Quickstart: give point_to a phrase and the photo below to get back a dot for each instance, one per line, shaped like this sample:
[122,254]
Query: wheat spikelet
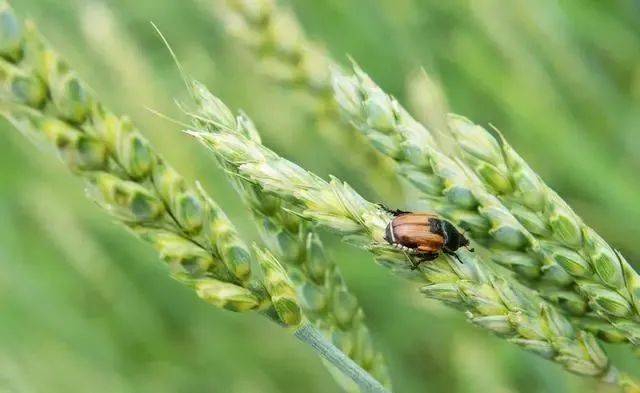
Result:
[581,273]
[598,272]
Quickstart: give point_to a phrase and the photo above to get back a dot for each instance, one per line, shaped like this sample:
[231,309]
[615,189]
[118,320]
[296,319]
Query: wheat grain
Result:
[492,301]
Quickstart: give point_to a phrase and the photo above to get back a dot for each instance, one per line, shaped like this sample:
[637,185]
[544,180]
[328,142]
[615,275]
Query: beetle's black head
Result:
[455,239]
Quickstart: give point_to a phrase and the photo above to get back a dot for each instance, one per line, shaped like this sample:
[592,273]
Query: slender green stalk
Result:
[287,56]
[42,97]
[490,300]
[324,295]
[314,338]
[527,228]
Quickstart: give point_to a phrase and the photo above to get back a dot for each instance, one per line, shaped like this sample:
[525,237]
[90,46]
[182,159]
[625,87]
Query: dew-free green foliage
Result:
[489,300]
[322,290]
[85,307]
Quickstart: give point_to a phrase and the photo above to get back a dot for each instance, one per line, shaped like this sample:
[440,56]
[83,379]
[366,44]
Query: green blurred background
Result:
[86,307]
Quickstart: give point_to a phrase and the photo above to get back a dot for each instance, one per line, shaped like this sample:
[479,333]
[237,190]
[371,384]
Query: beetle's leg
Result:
[453,254]
[424,257]
[393,212]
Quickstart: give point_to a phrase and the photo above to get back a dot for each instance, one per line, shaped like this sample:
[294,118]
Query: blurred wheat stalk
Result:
[42,97]
[288,57]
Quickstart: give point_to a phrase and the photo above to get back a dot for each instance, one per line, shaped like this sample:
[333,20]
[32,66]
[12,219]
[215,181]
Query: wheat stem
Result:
[314,338]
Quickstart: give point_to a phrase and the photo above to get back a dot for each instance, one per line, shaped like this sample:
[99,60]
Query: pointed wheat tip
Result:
[345,91]
[354,64]
[497,134]
[454,121]
[200,187]
[195,134]
[362,77]
[174,57]
[166,117]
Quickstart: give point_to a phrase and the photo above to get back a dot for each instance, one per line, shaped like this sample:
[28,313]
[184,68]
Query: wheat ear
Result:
[323,292]
[42,97]
[598,272]
[591,282]
[490,300]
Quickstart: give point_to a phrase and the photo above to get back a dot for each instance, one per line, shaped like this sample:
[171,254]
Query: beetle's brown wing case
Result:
[428,249]
[415,232]
[427,242]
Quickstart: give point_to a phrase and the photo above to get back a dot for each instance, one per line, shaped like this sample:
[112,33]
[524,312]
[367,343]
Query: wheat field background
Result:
[84,306]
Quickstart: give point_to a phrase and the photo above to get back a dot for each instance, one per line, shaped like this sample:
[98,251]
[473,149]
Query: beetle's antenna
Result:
[467,245]
[457,257]
[393,212]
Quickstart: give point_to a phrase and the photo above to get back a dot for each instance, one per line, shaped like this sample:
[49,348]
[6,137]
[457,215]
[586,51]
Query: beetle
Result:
[424,235]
